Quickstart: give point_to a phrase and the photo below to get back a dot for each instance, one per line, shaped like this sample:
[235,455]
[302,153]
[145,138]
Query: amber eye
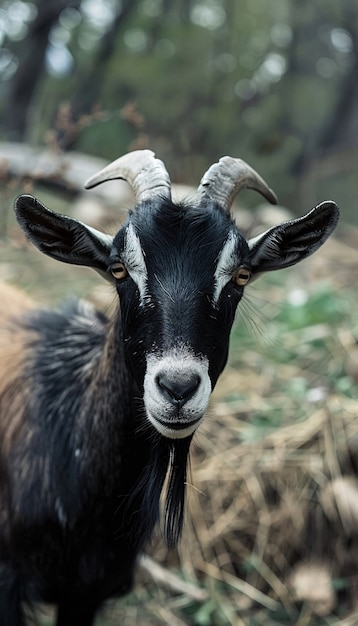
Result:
[241,276]
[118,271]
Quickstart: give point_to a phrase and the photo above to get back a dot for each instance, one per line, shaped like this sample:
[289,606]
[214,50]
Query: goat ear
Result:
[60,237]
[288,243]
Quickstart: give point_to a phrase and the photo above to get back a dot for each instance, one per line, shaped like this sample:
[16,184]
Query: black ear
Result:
[61,237]
[288,243]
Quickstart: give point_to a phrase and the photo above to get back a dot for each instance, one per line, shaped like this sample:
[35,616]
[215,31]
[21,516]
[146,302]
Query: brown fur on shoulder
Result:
[13,354]
[13,302]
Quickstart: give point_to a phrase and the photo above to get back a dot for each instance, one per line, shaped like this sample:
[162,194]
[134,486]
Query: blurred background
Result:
[272,530]
[276,82]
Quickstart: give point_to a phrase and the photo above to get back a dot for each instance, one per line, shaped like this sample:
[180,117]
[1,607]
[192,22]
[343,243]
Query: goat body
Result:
[96,413]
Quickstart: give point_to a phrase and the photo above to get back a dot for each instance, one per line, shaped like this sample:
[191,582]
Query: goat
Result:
[98,414]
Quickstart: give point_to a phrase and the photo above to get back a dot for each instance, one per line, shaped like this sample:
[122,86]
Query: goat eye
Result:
[241,276]
[118,271]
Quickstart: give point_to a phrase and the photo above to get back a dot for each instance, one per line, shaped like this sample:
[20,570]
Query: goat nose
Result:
[177,391]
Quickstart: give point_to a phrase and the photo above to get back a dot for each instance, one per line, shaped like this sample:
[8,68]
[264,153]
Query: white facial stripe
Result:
[133,258]
[177,363]
[226,264]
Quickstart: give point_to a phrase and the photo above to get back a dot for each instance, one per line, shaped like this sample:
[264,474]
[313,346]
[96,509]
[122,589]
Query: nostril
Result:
[177,390]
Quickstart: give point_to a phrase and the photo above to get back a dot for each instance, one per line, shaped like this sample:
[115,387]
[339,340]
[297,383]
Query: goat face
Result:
[178,302]
[180,273]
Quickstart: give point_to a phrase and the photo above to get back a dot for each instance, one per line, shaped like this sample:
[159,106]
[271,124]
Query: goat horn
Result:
[143,172]
[225,179]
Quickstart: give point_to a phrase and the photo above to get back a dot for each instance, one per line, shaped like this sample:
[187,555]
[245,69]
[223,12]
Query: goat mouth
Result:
[175,429]
[178,425]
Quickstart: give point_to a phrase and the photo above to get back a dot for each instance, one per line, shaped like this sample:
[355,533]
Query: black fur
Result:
[170,235]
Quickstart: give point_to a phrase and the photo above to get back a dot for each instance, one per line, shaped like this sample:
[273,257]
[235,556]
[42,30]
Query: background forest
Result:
[274,82]
[272,530]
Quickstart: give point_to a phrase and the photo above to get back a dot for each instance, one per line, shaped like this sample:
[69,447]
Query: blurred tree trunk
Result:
[87,93]
[337,129]
[31,53]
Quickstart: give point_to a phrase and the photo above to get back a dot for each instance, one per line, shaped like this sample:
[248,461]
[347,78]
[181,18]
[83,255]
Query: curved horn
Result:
[225,179]
[143,172]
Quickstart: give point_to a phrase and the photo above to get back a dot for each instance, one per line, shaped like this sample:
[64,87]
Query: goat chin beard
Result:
[159,494]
